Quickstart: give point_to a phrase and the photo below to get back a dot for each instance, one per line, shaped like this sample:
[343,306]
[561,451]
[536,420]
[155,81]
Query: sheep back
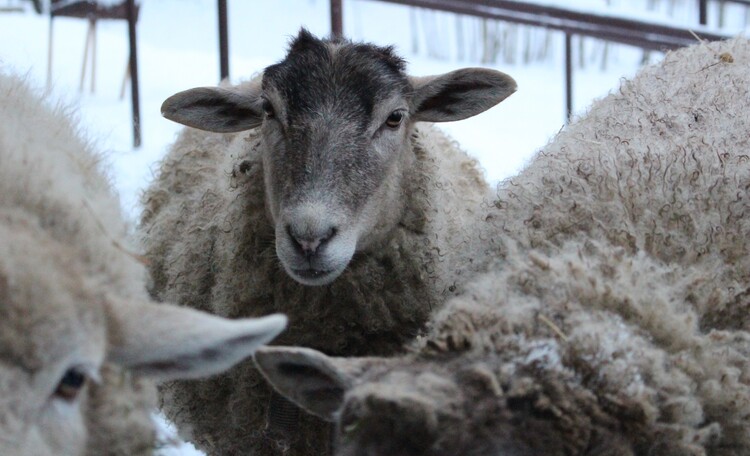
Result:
[593,349]
[660,166]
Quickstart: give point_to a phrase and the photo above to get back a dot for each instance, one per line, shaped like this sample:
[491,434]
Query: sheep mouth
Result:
[322,268]
[312,274]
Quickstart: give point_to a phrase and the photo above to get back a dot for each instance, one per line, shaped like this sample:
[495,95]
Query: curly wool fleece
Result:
[617,323]
[53,187]
[660,169]
[211,244]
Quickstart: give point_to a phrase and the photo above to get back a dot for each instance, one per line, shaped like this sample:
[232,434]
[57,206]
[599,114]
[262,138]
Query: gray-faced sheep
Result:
[78,335]
[329,206]
[617,323]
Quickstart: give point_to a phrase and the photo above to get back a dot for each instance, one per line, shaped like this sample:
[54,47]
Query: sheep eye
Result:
[350,427]
[268,109]
[349,422]
[395,119]
[70,385]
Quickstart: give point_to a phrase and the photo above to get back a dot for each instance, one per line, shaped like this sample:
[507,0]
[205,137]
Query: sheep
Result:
[80,340]
[617,321]
[323,202]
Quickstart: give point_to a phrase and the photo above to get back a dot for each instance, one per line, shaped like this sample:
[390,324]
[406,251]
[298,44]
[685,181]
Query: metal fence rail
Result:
[703,8]
[642,34]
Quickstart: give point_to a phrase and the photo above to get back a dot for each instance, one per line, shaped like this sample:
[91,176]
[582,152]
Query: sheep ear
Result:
[217,109]
[312,380]
[459,94]
[168,342]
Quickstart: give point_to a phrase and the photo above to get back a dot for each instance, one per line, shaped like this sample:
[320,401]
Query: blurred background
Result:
[86,65]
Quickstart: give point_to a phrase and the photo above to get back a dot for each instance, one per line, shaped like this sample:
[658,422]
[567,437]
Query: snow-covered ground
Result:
[178,49]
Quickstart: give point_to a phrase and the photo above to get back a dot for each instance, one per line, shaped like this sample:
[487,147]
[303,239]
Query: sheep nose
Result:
[309,243]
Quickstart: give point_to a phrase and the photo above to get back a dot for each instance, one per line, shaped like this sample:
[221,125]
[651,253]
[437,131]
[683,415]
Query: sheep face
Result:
[380,406]
[335,121]
[57,331]
[335,138]
[438,407]
[46,362]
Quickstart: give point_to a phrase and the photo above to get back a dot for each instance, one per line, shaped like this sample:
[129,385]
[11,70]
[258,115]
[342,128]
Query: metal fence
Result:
[620,30]
[642,34]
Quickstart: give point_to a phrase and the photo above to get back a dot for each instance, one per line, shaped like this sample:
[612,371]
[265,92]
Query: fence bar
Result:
[337,23]
[132,16]
[703,11]
[223,41]
[646,35]
[568,76]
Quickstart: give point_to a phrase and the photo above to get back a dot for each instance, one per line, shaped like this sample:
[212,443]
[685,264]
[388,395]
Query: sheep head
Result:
[57,331]
[413,406]
[335,120]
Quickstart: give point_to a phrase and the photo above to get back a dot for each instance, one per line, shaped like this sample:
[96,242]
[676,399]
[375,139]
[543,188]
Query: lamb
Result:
[325,203]
[80,340]
[617,321]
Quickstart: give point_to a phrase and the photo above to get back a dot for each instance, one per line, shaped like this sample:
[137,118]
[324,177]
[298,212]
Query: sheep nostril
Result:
[310,244]
[329,234]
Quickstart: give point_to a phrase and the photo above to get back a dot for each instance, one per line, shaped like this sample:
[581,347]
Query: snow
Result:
[178,49]
[544,354]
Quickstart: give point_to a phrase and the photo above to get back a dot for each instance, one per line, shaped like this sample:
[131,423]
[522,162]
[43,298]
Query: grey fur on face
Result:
[331,150]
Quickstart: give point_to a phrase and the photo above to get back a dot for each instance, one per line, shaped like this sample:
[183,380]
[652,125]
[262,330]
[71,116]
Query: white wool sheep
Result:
[78,335]
[617,323]
[336,211]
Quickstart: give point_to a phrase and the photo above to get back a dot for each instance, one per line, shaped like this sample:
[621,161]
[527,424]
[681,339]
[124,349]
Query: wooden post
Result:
[49,54]
[568,77]
[92,23]
[86,48]
[223,41]
[703,12]
[134,74]
[337,24]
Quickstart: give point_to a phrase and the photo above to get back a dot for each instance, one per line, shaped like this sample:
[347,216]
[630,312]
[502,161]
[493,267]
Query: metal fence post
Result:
[134,75]
[568,77]
[223,41]
[703,11]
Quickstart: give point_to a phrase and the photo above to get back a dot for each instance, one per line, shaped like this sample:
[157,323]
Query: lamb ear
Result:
[459,94]
[168,342]
[217,109]
[312,380]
